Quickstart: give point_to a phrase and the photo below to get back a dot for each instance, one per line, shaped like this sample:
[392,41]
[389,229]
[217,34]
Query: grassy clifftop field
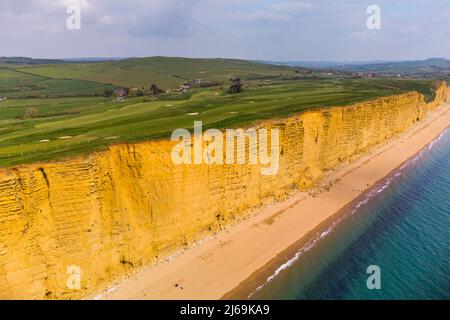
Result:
[56,111]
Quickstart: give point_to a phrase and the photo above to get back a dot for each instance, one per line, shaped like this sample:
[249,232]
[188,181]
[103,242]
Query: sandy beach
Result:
[220,264]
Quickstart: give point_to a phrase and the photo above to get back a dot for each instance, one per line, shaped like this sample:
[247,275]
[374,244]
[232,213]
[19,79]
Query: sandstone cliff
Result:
[114,211]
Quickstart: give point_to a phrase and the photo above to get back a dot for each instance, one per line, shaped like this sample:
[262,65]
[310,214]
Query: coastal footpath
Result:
[113,212]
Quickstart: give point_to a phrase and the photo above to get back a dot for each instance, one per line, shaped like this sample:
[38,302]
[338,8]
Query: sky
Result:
[277,30]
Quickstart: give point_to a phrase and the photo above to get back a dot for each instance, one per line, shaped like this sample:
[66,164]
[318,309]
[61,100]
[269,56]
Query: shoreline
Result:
[237,259]
[283,260]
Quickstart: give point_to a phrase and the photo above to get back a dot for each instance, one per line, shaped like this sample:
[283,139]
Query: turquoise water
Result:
[402,226]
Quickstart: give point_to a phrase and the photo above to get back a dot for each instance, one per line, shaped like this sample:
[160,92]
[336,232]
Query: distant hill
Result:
[32,61]
[434,66]
[166,72]
[430,68]
[319,64]
[28,61]
[92,59]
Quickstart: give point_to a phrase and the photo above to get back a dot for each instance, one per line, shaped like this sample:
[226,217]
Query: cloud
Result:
[163,18]
[136,17]
[259,15]
[363,35]
[264,29]
[57,4]
[292,6]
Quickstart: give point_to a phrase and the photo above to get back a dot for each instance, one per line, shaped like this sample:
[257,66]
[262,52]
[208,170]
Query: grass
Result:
[65,127]
[16,84]
[165,72]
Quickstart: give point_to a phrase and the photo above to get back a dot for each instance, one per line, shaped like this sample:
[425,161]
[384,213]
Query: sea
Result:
[392,243]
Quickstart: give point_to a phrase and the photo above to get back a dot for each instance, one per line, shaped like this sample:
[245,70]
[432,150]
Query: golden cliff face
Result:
[114,211]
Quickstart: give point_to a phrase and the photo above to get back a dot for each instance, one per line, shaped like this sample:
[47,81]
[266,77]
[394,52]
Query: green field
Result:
[165,72]
[63,126]
[17,84]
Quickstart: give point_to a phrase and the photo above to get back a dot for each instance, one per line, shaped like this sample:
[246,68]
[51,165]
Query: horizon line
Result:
[227,58]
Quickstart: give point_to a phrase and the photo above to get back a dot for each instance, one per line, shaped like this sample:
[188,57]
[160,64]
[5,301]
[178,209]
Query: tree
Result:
[155,90]
[108,93]
[236,86]
[30,113]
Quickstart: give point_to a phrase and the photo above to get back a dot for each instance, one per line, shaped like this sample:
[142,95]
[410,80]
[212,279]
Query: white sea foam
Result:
[308,246]
[371,194]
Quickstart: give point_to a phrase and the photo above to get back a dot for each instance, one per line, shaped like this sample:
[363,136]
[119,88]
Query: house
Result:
[121,94]
[184,87]
[189,85]
[196,82]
